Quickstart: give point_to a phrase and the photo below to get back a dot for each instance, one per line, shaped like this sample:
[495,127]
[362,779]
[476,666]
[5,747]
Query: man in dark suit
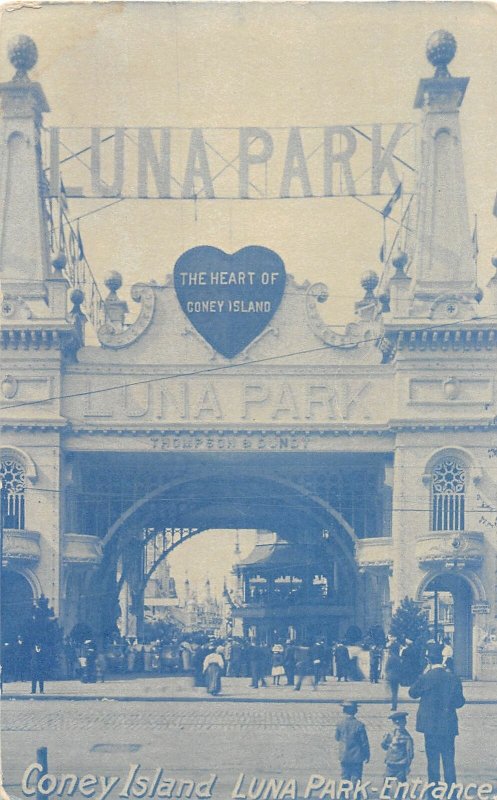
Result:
[38,669]
[440,694]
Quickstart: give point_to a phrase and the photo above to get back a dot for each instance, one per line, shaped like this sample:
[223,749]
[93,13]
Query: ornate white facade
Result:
[381,440]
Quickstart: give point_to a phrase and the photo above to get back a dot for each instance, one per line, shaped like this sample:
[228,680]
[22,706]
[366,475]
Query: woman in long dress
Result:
[277,666]
[213,669]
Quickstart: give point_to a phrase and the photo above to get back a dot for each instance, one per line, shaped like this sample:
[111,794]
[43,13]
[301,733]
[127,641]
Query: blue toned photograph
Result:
[248,401]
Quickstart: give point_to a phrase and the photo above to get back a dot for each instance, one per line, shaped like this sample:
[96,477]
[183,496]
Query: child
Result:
[399,747]
[354,745]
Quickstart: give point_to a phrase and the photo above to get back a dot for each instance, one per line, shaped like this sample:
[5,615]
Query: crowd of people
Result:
[292,664]
[208,658]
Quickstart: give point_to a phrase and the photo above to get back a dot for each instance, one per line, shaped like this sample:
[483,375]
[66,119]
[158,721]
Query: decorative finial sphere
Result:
[440,49]
[23,55]
[369,281]
[77,297]
[60,261]
[113,281]
[400,260]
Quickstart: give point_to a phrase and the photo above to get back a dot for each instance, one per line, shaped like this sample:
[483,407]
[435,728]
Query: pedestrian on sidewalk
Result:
[91,659]
[256,658]
[342,662]
[100,666]
[289,662]
[317,658]
[303,665]
[38,669]
[440,694]
[393,672]
[277,668]
[448,654]
[353,742]
[375,659]
[213,669]
[399,748]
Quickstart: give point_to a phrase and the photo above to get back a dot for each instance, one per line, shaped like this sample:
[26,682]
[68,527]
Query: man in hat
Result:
[433,650]
[38,665]
[399,747]
[353,740]
[440,694]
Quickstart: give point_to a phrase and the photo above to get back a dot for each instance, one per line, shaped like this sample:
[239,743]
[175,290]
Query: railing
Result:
[66,247]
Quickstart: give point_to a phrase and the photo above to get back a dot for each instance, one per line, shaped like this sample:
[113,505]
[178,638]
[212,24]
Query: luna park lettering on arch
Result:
[270,163]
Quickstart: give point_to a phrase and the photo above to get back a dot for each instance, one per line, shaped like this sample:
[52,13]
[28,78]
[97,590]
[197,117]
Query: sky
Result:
[266,64]
[210,554]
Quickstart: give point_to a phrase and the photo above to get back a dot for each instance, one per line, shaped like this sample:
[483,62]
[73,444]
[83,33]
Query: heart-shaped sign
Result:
[229,299]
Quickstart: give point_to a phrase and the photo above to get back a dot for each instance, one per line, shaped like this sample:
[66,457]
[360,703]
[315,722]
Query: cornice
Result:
[232,431]
[34,425]
[66,428]
[45,337]
[416,337]
[345,430]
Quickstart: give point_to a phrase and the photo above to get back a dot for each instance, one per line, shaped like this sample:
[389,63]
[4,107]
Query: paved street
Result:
[164,687]
[194,739]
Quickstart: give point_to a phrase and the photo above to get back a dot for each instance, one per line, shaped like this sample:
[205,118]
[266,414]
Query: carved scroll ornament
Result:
[109,336]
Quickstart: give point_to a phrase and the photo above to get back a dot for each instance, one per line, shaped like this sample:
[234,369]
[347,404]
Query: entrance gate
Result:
[228,400]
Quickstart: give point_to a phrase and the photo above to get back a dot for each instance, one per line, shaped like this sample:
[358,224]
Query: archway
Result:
[16,604]
[16,613]
[448,599]
[184,508]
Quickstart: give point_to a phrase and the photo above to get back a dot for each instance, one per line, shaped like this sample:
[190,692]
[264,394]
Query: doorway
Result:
[447,600]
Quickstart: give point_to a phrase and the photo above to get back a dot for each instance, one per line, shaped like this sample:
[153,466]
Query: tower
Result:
[38,337]
[439,281]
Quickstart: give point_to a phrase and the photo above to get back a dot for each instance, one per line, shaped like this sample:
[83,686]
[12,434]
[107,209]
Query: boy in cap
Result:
[399,747]
[353,740]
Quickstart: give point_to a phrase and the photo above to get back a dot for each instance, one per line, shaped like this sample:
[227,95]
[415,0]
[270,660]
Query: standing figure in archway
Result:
[448,654]
[213,669]
[440,694]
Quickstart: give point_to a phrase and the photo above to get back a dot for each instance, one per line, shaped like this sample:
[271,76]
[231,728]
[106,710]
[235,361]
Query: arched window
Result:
[448,489]
[13,484]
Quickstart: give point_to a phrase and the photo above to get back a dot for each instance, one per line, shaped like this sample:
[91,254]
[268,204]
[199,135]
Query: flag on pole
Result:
[63,196]
[389,206]
[81,251]
[474,239]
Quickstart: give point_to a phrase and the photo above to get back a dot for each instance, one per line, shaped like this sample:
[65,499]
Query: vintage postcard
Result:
[248,400]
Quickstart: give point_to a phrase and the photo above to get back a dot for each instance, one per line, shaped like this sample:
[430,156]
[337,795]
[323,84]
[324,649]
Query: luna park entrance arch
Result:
[314,508]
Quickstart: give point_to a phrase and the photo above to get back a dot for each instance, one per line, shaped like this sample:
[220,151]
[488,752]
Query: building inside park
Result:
[366,457]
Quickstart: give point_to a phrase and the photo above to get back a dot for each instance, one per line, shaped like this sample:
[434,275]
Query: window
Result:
[448,486]
[12,475]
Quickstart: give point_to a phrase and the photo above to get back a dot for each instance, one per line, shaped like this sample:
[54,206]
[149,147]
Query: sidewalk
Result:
[172,688]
